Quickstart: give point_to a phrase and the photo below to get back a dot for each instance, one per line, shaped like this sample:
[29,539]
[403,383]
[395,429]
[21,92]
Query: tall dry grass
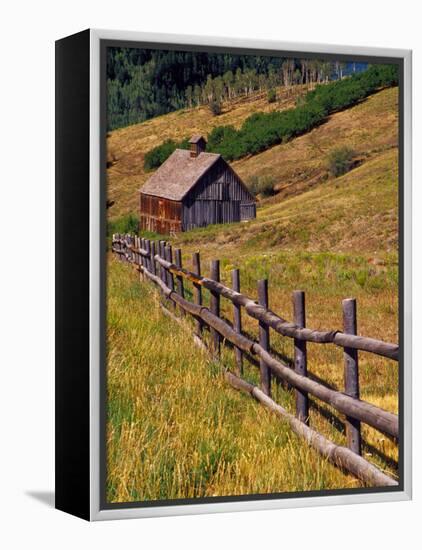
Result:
[175,429]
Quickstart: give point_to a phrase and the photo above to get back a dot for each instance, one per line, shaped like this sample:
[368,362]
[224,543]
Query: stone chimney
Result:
[197,145]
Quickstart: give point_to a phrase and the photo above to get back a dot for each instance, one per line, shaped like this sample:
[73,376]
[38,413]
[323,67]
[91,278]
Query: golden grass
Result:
[356,212]
[369,127]
[327,278]
[354,218]
[175,428]
[126,147]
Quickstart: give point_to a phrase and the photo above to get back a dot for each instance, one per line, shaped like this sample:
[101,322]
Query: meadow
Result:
[175,429]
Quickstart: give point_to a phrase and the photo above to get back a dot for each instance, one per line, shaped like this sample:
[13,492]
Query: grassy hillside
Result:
[370,127]
[332,237]
[336,240]
[355,212]
[126,147]
[175,429]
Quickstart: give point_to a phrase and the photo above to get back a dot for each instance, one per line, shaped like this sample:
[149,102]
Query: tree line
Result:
[263,130]
[231,84]
[143,83]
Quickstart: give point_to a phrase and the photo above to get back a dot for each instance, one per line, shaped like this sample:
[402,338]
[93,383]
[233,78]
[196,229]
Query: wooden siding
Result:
[221,183]
[247,210]
[218,197]
[201,213]
[160,215]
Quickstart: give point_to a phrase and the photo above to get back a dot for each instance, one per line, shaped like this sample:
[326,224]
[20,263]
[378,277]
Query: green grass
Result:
[355,212]
[175,428]
[127,224]
[330,251]
[369,128]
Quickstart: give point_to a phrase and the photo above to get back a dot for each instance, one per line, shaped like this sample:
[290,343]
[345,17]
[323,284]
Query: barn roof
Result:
[178,174]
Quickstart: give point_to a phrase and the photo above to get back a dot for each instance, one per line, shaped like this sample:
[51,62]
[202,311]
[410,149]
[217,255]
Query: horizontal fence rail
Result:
[154,261]
[283,327]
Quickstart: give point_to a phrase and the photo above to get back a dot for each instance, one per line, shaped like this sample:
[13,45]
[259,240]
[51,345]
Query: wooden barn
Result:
[193,188]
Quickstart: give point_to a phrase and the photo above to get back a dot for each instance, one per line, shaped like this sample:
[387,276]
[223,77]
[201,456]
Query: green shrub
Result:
[261,185]
[266,186]
[340,161]
[220,135]
[253,184]
[156,156]
[271,95]
[263,130]
[215,107]
[125,224]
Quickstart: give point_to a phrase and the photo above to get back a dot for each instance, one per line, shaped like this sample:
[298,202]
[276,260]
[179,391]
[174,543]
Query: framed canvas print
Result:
[233,274]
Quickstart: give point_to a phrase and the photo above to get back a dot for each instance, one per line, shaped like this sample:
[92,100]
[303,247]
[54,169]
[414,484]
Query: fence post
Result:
[138,257]
[179,278]
[169,276]
[134,256]
[162,254]
[197,291]
[129,240]
[141,261]
[215,306]
[148,251]
[118,246]
[351,374]
[143,247]
[129,251]
[264,338]
[142,258]
[301,367]
[152,254]
[121,248]
[169,257]
[237,320]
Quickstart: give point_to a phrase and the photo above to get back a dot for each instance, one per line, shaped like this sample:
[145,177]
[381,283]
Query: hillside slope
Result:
[331,237]
[175,429]
[334,241]
[355,212]
[126,147]
[370,127]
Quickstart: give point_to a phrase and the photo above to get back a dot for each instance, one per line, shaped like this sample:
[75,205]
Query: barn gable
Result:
[219,196]
[221,182]
[194,189]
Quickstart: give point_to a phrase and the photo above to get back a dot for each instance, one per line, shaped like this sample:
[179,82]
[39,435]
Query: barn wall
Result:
[218,197]
[160,215]
[220,182]
[204,212]
[247,210]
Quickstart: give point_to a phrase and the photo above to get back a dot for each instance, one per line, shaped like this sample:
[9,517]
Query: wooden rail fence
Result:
[154,260]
